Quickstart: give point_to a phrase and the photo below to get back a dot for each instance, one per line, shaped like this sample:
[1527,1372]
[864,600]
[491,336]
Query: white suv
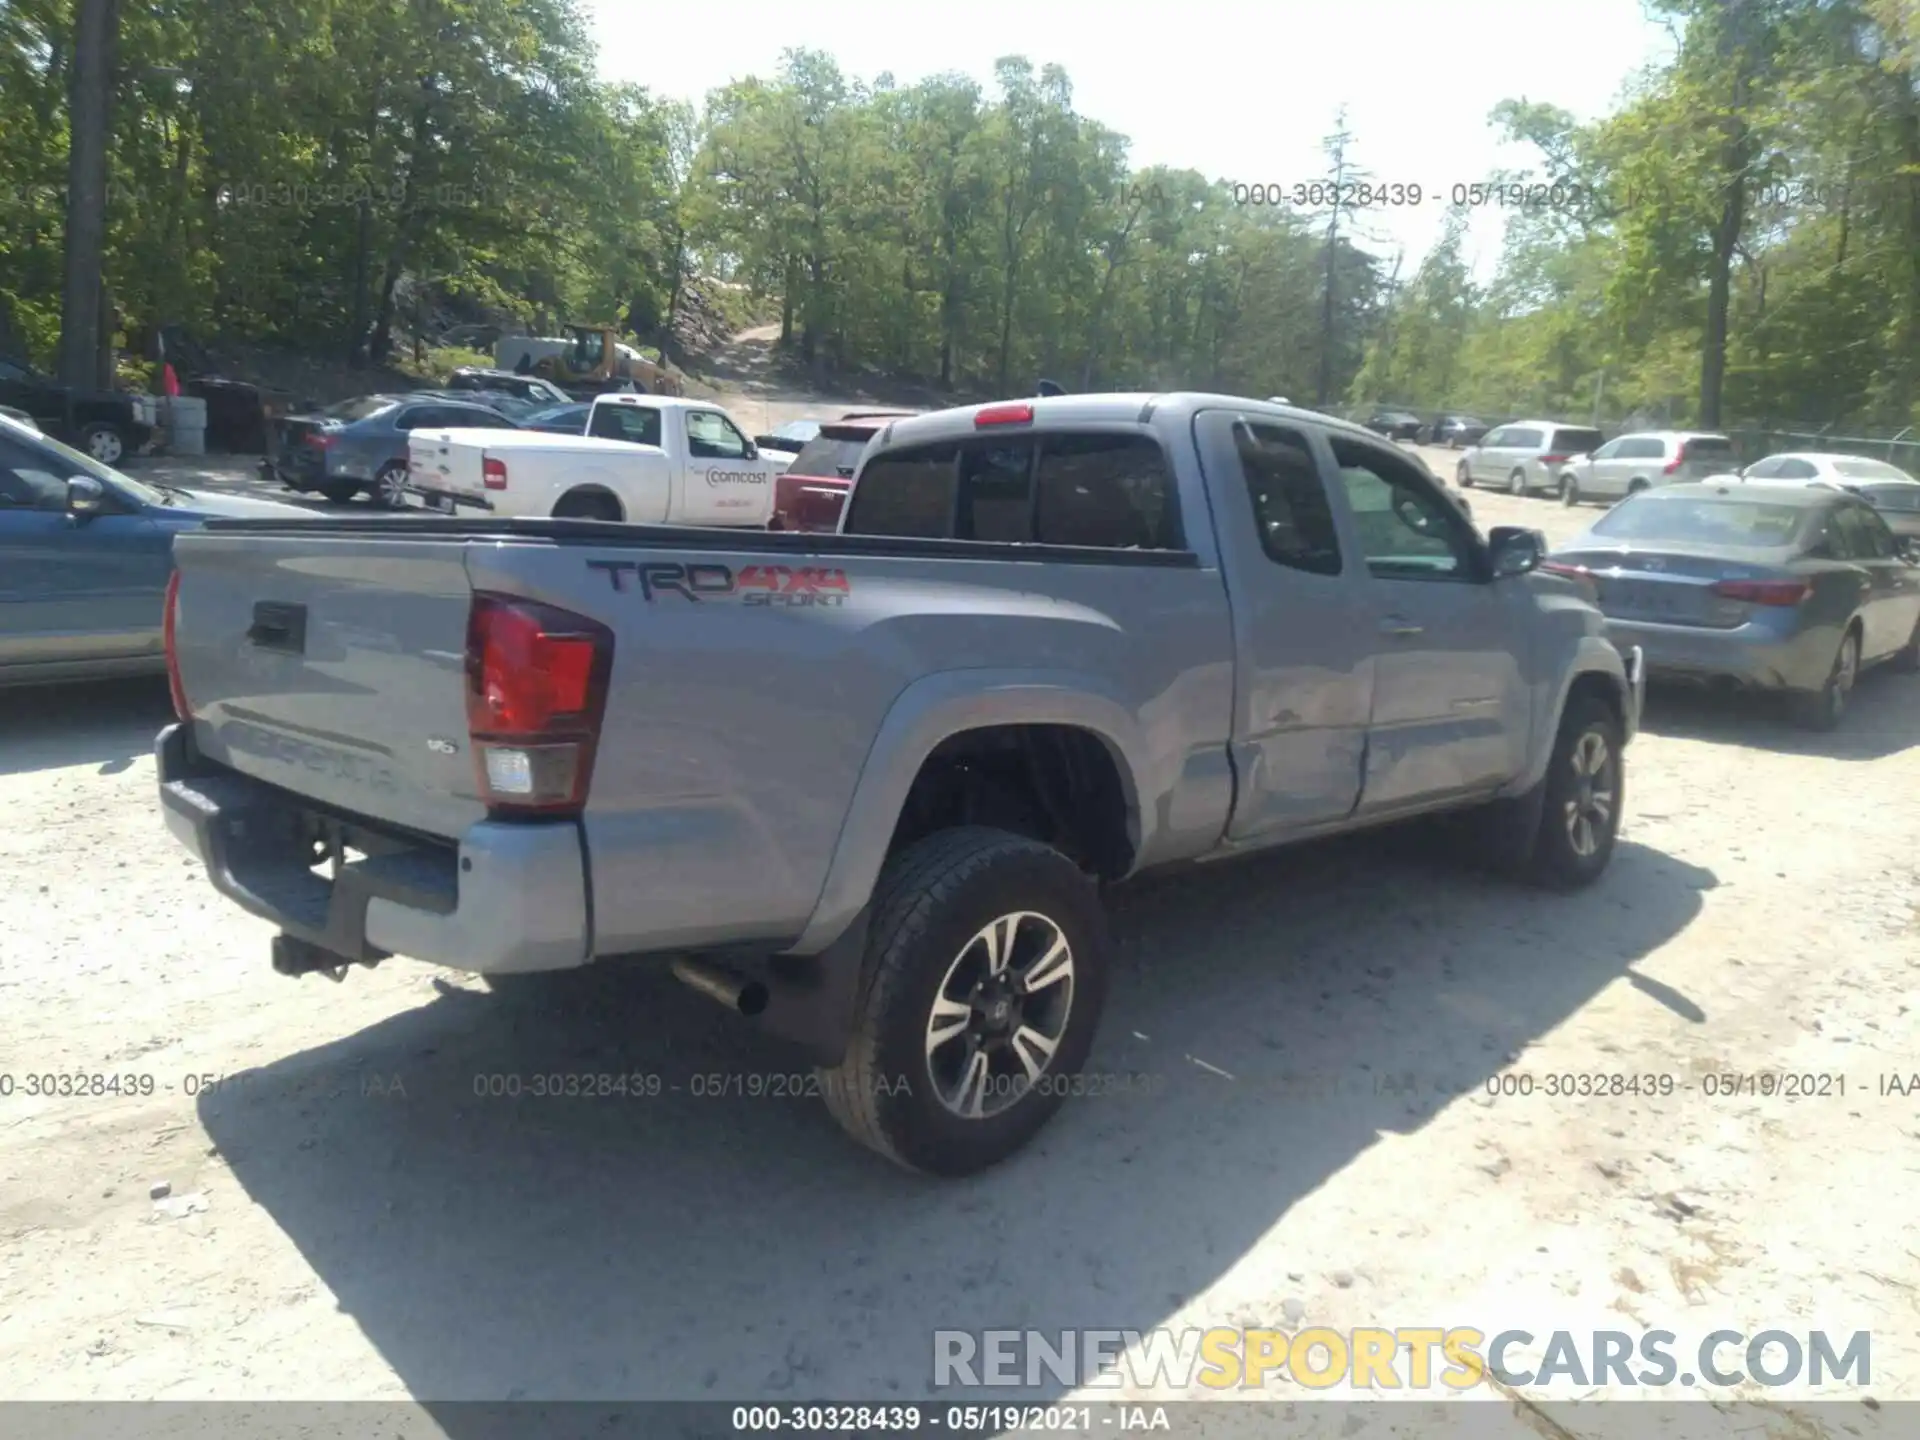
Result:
[1642,460]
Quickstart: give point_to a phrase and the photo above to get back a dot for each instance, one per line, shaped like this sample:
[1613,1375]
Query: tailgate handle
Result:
[277,626]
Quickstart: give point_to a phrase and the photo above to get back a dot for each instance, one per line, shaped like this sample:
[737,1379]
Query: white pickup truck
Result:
[645,459]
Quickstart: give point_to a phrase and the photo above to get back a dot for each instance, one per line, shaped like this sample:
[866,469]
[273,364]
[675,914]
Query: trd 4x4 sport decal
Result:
[750,585]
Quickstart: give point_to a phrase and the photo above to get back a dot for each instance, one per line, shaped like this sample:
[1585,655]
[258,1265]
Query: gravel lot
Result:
[348,1219]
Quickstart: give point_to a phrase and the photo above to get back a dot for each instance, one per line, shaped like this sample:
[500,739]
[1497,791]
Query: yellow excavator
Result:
[589,358]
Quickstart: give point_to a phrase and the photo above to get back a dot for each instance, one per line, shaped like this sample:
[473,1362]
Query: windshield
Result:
[1704,521]
[828,457]
[1868,470]
[1900,495]
[359,408]
[87,465]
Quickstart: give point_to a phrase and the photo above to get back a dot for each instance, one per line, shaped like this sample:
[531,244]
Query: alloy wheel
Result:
[1000,1014]
[1589,812]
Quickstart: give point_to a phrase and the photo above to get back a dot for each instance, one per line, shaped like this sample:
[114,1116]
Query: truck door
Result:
[1451,706]
[1303,640]
[724,486]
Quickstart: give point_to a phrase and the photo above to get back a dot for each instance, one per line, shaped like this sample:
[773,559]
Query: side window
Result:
[996,491]
[1886,545]
[635,424]
[1111,491]
[415,417]
[1857,525]
[1407,530]
[26,482]
[711,436]
[1765,470]
[1607,451]
[1522,440]
[1493,440]
[907,492]
[1832,541]
[1290,507]
[1797,470]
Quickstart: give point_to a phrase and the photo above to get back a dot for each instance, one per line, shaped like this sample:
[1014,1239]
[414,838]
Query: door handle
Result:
[1400,629]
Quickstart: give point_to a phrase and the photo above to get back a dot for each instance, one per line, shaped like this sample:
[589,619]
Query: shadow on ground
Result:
[1884,719]
[722,1240]
[110,723]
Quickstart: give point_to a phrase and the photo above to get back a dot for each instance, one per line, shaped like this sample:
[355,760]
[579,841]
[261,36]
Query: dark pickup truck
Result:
[104,423]
[866,786]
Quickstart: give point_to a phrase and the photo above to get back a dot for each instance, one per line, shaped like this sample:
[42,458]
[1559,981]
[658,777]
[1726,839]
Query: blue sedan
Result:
[361,445]
[85,553]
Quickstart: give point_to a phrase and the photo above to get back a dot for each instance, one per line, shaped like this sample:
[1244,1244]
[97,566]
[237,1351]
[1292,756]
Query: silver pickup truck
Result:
[866,786]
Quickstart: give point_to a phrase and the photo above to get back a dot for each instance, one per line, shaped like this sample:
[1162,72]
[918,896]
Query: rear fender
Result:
[927,712]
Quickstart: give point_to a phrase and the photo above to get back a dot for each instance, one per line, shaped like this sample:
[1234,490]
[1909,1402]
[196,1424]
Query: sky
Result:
[1238,91]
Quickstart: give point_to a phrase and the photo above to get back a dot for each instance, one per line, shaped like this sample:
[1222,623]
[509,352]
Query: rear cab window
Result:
[1105,490]
[635,424]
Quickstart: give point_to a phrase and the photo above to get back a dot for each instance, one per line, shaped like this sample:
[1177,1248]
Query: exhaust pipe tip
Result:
[748,997]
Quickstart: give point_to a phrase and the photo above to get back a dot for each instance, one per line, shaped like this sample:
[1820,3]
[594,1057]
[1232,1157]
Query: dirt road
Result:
[350,1214]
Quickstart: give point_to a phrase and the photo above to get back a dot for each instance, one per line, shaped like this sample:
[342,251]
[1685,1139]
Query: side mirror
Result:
[753,451]
[1516,550]
[86,497]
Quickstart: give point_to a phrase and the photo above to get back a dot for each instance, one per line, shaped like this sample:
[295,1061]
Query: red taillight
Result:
[1556,459]
[321,442]
[1764,592]
[168,622]
[493,473]
[1679,459]
[1003,415]
[1571,572]
[536,694]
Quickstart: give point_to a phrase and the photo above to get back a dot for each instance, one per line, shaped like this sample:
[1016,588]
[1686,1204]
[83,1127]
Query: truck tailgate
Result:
[447,462]
[334,668]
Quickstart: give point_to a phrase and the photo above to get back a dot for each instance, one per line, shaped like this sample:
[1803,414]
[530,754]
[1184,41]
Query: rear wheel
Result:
[1826,707]
[1569,490]
[1517,483]
[1464,476]
[588,505]
[390,485]
[103,442]
[985,973]
[1636,486]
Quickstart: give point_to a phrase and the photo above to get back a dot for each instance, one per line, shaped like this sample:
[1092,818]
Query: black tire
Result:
[932,899]
[338,492]
[1517,482]
[1634,487]
[1569,491]
[103,442]
[587,505]
[1464,476]
[389,486]
[1557,861]
[1824,709]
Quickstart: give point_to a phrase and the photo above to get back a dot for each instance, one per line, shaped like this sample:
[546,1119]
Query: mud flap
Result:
[810,998]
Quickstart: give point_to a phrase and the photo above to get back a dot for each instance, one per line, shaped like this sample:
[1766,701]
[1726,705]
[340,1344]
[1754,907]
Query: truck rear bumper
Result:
[502,898]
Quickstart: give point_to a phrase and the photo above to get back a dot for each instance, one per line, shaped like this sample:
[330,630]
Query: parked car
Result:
[792,437]
[19,417]
[1792,589]
[1888,488]
[107,424]
[85,553]
[1638,462]
[812,492]
[646,459]
[865,787]
[361,444]
[1454,431]
[1394,424]
[1524,456]
[567,419]
[506,382]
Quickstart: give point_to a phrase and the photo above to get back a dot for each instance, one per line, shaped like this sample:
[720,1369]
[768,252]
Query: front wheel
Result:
[985,973]
[1464,476]
[1569,490]
[1585,793]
